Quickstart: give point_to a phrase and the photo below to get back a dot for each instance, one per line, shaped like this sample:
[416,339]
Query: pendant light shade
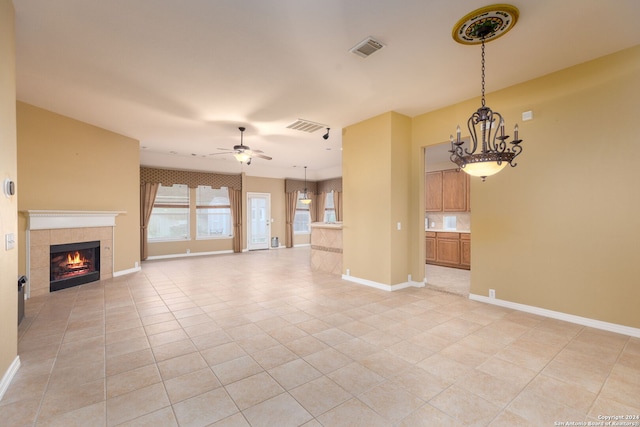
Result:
[304,197]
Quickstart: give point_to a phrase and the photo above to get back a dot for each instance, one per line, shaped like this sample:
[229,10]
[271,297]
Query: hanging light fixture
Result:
[304,197]
[487,153]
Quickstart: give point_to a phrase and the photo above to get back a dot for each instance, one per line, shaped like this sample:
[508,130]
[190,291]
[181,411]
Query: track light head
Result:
[326,135]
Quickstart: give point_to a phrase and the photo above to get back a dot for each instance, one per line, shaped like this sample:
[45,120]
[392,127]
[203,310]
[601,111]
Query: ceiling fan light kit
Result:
[488,152]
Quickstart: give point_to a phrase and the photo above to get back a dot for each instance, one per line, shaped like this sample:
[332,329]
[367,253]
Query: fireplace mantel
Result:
[53,219]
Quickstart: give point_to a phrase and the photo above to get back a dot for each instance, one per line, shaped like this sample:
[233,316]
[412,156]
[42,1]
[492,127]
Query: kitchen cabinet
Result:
[454,191]
[433,191]
[448,249]
[465,250]
[447,191]
[430,242]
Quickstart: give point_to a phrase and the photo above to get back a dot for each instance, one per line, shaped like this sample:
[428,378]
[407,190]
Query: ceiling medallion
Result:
[485,24]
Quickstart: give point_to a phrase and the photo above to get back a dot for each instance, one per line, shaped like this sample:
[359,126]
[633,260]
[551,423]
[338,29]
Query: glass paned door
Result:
[259,212]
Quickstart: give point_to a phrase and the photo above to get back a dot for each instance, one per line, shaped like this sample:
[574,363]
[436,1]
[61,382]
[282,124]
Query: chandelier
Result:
[488,152]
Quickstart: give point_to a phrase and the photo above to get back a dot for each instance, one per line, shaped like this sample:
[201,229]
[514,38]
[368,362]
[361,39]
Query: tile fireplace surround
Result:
[49,227]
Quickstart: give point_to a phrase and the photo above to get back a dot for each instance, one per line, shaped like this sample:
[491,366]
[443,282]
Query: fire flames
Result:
[75,259]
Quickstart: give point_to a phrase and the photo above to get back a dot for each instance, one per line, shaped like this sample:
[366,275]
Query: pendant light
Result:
[488,152]
[304,198]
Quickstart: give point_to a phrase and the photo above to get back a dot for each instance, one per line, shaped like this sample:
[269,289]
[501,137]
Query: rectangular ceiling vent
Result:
[305,126]
[366,47]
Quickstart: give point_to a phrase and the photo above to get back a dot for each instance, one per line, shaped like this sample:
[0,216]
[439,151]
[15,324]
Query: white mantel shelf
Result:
[53,219]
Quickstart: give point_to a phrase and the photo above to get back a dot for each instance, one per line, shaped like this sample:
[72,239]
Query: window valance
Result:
[293,185]
[168,177]
[330,185]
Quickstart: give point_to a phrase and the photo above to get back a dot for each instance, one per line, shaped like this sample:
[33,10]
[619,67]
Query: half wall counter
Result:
[326,247]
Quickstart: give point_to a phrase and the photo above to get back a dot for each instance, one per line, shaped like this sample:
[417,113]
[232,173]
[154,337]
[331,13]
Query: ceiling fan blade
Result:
[261,156]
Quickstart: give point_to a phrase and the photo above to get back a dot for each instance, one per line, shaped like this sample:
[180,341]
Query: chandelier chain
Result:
[483,103]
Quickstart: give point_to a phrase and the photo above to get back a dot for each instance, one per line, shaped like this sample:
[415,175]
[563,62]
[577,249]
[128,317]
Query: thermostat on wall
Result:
[9,187]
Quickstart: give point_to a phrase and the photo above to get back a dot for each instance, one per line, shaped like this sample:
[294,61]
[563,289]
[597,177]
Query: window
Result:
[170,215]
[213,213]
[302,220]
[329,208]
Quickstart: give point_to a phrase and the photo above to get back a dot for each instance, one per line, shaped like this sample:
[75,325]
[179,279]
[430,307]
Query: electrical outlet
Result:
[492,293]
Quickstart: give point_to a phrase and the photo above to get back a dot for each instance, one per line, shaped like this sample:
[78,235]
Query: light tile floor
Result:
[257,339]
[453,280]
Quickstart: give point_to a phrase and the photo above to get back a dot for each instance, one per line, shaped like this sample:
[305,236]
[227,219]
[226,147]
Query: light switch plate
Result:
[9,241]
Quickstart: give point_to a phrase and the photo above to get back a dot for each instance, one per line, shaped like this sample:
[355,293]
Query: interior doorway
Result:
[258,221]
[444,223]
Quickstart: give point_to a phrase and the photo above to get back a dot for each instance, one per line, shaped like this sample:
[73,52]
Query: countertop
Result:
[334,225]
[442,230]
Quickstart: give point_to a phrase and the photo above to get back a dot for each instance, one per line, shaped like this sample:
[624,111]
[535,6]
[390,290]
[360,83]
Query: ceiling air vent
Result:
[305,126]
[366,47]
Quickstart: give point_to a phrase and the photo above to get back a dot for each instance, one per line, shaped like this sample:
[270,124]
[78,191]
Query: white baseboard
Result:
[382,286]
[151,258]
[584,321]
[8,376]
[128,271]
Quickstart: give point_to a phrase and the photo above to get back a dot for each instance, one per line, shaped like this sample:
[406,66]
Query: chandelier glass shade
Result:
[488,151]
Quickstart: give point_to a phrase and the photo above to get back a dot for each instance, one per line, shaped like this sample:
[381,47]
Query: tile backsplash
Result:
[436,220]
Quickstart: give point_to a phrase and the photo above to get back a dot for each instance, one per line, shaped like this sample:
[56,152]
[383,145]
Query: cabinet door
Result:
[433,191]
[431,249]
[454,191]
[448,248]
[468,186]
[465,250]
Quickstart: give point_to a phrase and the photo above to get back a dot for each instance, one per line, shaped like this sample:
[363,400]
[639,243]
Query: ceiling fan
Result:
[243,153]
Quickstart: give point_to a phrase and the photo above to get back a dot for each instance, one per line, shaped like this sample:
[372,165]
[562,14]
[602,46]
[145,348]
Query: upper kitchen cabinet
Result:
[447,191]
[454,191]
[433,191]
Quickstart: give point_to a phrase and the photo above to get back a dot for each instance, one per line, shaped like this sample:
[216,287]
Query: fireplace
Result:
[74,264]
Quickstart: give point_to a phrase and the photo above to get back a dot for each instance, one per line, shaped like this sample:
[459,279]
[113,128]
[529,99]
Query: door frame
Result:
[266,196]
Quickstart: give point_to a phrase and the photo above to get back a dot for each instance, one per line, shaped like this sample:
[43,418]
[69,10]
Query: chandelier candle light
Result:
[488,152]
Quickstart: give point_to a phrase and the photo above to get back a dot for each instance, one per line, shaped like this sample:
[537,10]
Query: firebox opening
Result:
[74,264]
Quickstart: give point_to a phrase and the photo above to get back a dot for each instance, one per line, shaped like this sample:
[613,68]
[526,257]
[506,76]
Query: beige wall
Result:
[376,183]
[561,230]
[8,206]
[65,164]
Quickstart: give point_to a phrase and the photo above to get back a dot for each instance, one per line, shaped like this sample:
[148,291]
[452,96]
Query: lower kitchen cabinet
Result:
[465,250]
[430,241]
[448,249]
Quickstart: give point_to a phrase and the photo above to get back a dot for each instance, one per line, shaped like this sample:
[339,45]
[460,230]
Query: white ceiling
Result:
[181,76]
